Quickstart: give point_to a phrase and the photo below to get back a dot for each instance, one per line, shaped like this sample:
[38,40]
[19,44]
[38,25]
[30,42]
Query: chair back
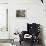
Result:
[33,28]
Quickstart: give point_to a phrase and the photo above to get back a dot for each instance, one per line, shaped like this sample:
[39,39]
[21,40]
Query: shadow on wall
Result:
[41,34]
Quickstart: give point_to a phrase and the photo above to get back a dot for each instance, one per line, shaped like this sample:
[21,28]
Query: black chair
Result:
[32,29]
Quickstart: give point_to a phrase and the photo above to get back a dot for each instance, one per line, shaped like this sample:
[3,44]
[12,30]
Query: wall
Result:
[35,12]
[3,1]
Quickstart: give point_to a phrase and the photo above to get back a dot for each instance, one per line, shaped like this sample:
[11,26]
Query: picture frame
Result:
[20,13]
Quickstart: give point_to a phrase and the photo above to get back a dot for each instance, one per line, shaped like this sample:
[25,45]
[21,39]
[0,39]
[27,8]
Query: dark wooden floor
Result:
[29,44]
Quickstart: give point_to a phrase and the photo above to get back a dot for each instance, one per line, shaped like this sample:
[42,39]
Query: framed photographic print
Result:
[20,13]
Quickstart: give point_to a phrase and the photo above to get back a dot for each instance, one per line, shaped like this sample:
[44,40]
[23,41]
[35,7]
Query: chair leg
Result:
[32,42]
[20,42]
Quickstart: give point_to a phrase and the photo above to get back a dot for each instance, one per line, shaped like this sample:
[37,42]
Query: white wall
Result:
[3,1]
[35,12]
